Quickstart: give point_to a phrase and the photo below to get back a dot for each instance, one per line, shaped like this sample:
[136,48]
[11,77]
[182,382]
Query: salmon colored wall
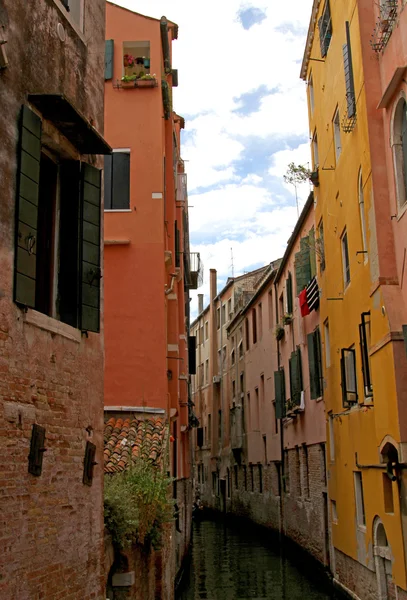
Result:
[308,427]
[135,326]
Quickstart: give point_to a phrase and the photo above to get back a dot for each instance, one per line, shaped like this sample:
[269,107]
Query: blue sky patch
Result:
[250,102]
[250,16]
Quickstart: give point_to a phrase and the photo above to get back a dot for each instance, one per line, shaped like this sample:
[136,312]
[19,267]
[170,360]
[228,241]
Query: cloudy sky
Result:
[246,119]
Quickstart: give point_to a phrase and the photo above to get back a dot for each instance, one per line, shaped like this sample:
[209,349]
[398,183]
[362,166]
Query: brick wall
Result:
[51,525]
[304,501]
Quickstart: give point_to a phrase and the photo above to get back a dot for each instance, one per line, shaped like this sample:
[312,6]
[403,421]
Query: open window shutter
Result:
[313,257]
[295,377]
[279,390]
[313,374]
[289,286]
[349,81]
[321,36]
[28,179]
[109,52]
[302,265]
[90,249]
[318,362]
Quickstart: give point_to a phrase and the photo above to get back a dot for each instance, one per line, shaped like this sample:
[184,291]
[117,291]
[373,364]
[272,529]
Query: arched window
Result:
[399,144]
[362,215]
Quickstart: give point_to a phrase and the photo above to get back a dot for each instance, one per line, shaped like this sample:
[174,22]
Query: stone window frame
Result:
[397,151]
[79,28]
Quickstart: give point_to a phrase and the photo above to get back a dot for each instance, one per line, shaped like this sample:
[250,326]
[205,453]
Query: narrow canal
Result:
[231,561]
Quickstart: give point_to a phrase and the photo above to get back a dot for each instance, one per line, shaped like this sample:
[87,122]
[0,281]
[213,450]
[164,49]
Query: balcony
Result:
[384,26]
[193,267]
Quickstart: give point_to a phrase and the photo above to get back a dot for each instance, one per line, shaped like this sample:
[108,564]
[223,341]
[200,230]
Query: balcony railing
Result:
[384,26]
[195,271]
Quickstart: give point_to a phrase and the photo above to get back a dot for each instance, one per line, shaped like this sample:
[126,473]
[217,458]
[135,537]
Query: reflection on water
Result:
[231,562]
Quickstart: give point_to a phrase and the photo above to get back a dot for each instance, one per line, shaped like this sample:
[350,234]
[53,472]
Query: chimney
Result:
[213,285]
[200,303]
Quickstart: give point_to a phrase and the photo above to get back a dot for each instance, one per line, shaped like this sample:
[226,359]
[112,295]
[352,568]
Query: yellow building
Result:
[358,279]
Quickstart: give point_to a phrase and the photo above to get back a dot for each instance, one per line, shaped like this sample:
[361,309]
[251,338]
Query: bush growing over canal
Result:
[137,505]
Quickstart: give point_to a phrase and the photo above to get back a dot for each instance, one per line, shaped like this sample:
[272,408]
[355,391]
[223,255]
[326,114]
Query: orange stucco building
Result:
[148,267]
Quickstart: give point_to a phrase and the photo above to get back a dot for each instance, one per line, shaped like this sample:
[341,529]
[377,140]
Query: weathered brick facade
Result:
[51,374]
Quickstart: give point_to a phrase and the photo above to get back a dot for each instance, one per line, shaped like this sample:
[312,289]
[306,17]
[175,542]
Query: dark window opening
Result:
[46,235]
[260,478]
[254,323]
[117,181]
[252,478]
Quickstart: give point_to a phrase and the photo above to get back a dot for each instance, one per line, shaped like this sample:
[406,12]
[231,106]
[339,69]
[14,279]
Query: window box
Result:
[150,82]
[133,82]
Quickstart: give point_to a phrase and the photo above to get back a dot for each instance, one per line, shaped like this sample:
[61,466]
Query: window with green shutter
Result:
[279,390]
[296,386]
[57,242]
[302,265]
[315,364]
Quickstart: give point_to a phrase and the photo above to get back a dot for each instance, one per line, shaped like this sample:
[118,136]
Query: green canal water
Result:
[237,561]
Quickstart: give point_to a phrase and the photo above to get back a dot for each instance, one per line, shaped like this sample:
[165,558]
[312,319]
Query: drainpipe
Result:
[165,44]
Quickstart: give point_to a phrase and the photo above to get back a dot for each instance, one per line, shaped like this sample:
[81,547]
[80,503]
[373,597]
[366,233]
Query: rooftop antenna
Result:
[232,265]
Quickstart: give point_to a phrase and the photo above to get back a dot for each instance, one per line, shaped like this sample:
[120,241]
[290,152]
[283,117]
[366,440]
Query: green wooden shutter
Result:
[302,265]
[28,178]
[109,53]
[312,366]
[279,390]
[295,377]
[90,249]
[289,288]
[312,256]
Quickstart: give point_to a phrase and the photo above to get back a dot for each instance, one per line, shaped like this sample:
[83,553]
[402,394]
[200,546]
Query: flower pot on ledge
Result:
[279,333]
[127,84]
[146,83]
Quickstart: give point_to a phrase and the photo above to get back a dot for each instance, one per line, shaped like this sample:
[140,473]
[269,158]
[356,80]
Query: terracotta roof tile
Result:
[126,440]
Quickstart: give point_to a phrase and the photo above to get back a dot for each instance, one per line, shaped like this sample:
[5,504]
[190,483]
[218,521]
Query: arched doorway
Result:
[382,558]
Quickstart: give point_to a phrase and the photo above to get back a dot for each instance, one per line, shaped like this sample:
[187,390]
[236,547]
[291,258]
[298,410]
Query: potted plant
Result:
[146,80]
[314,177]
[128,81]
[279,332]
[287,319]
